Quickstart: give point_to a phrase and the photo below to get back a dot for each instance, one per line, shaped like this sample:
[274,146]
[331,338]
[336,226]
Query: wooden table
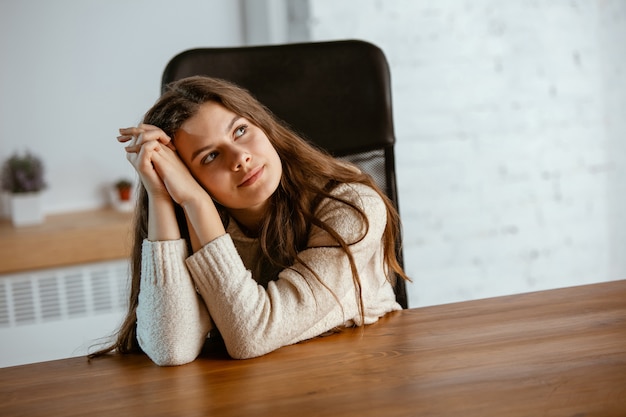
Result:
[552,353]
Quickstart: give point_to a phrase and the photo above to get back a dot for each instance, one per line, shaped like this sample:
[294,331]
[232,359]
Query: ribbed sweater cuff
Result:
[168,256]
[217,265]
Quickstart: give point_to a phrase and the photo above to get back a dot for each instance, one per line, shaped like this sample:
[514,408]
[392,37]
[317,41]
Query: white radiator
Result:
[58,313]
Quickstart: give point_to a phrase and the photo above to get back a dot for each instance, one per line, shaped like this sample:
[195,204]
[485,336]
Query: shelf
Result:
[66,239]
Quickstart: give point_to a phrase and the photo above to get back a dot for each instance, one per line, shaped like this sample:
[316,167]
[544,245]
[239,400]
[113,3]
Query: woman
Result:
[245,229]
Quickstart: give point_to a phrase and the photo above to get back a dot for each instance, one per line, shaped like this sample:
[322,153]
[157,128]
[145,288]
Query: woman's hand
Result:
[166,178]
[141,157]
[154,157]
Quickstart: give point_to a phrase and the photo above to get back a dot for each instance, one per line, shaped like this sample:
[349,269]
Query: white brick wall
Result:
[510,125]
[612,37]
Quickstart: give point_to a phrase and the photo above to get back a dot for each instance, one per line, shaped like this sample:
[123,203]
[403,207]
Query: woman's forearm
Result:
[172,321]
[162,224]
[204,221]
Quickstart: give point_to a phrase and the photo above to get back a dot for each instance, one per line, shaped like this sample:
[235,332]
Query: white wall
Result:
[510,124]
[613,24]
[74,71]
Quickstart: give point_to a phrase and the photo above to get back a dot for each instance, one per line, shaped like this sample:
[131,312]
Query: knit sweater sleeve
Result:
[172,320]
[309,298]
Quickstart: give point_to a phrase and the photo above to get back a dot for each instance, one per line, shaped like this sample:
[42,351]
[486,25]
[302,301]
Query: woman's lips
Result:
[252,177]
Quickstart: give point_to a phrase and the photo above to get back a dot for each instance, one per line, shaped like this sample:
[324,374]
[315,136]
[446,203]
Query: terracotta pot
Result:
[124,194]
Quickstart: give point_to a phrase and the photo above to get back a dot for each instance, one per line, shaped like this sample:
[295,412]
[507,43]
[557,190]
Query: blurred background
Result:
[509,116]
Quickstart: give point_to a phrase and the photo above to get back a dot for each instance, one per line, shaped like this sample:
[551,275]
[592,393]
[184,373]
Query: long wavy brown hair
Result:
[309,175]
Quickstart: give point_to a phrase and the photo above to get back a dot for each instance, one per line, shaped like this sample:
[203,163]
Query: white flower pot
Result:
[26,209]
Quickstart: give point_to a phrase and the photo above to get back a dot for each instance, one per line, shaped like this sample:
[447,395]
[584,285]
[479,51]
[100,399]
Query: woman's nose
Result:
[240,158]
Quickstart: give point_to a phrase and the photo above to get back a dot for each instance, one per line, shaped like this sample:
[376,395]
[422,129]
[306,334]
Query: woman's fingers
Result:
[136,137]
[128,133]
[145,161]
[149,132]
[146,146]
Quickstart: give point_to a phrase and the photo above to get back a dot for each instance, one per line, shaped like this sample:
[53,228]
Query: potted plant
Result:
[23,180]
[124,188]
[121,193]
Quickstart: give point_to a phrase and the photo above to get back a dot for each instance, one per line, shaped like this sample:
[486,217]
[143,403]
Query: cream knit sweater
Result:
[182,298]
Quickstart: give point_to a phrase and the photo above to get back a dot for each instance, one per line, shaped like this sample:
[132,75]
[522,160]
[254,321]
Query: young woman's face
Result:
[230,157]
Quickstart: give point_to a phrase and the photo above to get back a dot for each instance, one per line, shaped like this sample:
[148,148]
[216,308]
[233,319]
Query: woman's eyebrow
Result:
[230,125]
[197,152]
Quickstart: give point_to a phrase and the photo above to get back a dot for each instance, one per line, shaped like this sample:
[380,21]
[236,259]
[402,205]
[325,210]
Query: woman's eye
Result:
[240,131]
[210,157]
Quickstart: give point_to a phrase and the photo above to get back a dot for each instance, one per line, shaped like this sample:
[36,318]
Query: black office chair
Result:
[335,94]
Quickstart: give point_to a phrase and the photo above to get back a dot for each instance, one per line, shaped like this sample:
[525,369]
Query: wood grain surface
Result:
[552,353]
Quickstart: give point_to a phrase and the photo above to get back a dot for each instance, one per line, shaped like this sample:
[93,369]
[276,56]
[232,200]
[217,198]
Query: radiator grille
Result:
[58,294]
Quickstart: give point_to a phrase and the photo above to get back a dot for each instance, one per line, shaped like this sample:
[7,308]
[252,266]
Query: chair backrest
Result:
[335,94]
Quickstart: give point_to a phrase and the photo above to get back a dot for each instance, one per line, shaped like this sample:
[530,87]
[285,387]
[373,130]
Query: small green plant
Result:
[23,174]
[123,184]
